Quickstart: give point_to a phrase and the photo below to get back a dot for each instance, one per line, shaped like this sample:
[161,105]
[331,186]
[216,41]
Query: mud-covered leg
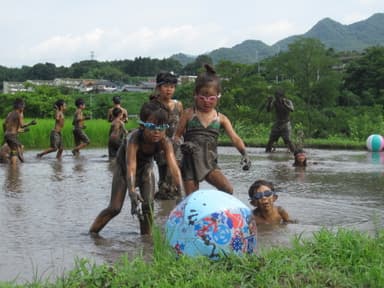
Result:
[147,191]
[118,192]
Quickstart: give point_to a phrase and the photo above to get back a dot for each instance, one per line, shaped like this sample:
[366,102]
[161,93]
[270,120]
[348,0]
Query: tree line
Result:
[334,93]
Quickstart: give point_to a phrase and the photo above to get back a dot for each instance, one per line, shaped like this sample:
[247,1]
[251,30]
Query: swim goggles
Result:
[208,98]
[259,195]
[153,127]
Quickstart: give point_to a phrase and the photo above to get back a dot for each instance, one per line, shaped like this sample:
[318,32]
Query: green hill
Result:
[353,37]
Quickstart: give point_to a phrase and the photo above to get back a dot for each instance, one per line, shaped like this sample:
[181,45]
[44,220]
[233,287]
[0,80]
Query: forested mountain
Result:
[353,37]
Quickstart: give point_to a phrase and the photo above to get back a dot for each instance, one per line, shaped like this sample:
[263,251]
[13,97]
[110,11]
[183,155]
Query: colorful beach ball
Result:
[211,223]
[375,143]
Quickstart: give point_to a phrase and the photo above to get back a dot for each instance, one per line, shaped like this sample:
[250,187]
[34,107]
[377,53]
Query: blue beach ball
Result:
[375,143]
[211,223]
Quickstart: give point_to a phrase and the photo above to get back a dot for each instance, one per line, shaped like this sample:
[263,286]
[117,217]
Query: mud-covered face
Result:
[153,131]
[167,90]
[207,98]
[263,198]
[300,157]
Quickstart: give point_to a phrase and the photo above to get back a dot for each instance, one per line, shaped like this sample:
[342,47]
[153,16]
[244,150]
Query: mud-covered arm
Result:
[131,161]
[270,103]
[172,165]
[237,141]
[284,215]
[181,126]
[288,104]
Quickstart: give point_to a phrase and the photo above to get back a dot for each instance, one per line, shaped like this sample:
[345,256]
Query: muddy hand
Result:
[136,201]
[245,162]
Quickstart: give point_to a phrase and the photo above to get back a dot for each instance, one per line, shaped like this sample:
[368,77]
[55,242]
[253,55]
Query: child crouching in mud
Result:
[134,168]
[262,195]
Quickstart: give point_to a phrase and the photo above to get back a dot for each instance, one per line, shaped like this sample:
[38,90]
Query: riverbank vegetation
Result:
[338,96]
[344,258]
[97,130]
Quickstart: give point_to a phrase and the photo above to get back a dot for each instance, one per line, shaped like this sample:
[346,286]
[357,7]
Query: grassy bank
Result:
[97,130]
[330,259]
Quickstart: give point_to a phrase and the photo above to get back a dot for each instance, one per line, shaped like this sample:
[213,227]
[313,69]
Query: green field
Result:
[97,130]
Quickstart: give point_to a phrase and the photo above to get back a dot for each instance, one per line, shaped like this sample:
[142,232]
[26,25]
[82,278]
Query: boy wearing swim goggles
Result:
[262,196]
[134,169]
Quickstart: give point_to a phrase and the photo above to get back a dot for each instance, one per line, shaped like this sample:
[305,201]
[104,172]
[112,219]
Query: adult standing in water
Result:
[282,126]
[134,168]
[165,89]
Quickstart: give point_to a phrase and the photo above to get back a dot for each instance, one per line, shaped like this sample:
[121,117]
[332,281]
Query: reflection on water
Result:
[47,206]
[12,181]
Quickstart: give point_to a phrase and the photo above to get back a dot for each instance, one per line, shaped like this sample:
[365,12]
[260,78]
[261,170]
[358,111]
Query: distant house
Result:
[88,85]
[183,79]
[13,87]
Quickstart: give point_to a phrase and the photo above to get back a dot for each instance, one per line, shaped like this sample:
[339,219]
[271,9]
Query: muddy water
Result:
[46,206]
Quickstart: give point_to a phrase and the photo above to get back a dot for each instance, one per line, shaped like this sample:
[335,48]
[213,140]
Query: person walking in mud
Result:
[12,126]
[81,139]
[55,137]
[117,132]
[134,168]
[200,126]
[282,126]
[165,89]
[117,104]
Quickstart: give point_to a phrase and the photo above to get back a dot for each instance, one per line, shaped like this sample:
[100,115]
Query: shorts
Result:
[56,140]
[80,136]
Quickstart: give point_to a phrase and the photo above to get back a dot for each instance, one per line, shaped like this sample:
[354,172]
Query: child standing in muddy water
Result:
[165,89]
[117,132]
[55,137]
[81,139]
[117,104]
[134,168]
[12,126]
[200,126]
[262,195]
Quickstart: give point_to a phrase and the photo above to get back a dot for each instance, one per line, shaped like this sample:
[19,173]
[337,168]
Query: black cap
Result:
[166,78]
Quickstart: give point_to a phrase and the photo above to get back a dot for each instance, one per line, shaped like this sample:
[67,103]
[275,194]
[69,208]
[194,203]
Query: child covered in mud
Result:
[200,126]
[134,168]
[56,139]
[117,132]
[117,104]
[300,158]
[81,139]
[165,89]
[262,195]
[12,126]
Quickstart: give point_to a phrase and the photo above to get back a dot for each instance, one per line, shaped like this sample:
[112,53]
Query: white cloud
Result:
[118,44]
[275,31]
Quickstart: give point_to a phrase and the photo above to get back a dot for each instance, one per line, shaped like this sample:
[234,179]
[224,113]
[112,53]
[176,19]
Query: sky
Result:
[63,32]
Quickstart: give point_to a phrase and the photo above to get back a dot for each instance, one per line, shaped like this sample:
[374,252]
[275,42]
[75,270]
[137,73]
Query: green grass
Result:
[97,130]
[345,258]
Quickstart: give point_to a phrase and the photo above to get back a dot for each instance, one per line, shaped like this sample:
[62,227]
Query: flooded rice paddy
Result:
[47,206]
